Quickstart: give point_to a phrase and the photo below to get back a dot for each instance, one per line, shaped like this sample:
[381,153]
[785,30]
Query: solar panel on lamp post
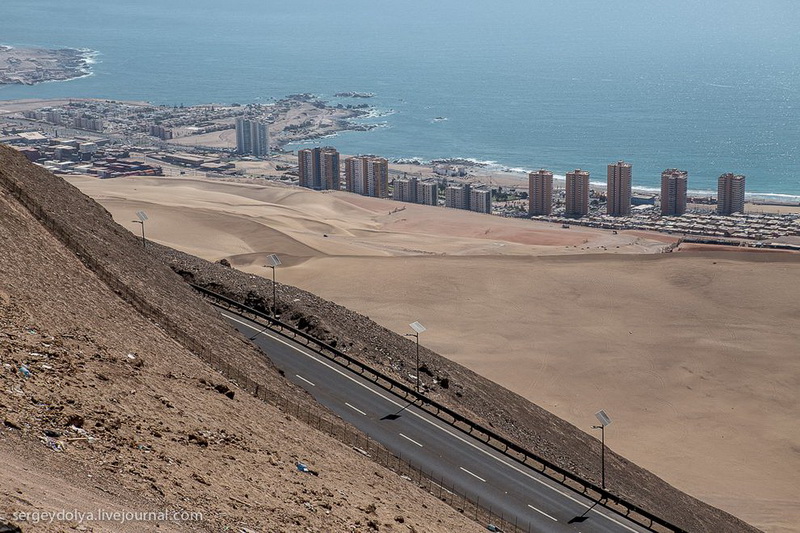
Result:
[604,420]
[142,216]
[418,328]
[273,262]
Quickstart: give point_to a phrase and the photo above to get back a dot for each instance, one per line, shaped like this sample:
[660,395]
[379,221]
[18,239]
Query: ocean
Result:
[709,87]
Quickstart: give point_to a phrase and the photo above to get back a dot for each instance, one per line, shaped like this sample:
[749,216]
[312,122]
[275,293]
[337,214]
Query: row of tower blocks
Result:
[730,192]
[319,169]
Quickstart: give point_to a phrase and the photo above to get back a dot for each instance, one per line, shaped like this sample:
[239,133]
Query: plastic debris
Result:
[82,434]
[131,356]
[24,371]
[303,468]
[55,445]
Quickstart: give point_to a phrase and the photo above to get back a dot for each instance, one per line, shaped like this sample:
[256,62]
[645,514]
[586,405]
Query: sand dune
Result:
[694,354]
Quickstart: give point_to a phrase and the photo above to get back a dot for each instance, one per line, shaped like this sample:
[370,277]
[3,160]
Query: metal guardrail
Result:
[508,448]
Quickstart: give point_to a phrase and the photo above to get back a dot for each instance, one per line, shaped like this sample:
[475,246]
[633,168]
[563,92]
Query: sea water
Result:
[709,87]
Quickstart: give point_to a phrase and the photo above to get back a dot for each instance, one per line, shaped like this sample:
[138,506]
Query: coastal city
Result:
[110,139]
[408,266]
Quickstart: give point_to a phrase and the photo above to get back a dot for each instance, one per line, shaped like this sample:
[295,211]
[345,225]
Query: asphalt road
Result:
[521,494]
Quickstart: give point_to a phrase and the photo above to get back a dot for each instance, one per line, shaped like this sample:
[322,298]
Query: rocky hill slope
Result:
[106,401]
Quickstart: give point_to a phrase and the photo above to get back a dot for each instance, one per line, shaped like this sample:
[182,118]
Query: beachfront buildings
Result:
[457,196]
[367,175]
[730,194]
[673,192]
[78,119]
[464,196]
[577,193]
[252,137]
[618,189]
[480,200]
[540,192]
[414,191]
[405,190]
[319,168]
[427,193]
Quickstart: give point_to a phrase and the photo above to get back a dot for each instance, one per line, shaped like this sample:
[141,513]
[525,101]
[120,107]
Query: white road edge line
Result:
[410,439]
[442,487]
[458,437]
[304,379]
[476,476]
[542,512]
[356,409]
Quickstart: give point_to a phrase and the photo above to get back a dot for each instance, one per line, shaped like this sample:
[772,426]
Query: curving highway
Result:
[522,495]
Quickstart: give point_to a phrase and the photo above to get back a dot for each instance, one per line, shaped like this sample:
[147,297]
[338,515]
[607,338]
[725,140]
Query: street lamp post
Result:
[142,216]
[604,420]
[273,262]
[418,328]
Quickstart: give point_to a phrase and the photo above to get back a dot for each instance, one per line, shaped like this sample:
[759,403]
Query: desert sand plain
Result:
[693,353]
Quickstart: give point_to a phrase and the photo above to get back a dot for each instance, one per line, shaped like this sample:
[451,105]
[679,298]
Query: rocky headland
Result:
[28,66]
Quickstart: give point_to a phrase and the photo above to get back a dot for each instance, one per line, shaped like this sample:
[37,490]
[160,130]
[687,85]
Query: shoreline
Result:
[328,119]
[495,169]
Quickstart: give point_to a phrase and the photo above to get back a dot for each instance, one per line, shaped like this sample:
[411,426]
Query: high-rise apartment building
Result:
[540,192]
[730,194]
[673,192]
[329,171]
[367,175]
[480,200]
[405,190]
[577,193]
[308,166]
[427,193]
[252,137]
[457,196]
[355,175]
[618,189]
[319,168]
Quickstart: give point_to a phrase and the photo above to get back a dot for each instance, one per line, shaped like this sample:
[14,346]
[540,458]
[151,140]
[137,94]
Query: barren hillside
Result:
[106,403]
[461,389]
[691,352]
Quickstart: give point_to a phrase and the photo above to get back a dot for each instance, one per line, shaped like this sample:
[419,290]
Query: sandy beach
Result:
[692,353]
